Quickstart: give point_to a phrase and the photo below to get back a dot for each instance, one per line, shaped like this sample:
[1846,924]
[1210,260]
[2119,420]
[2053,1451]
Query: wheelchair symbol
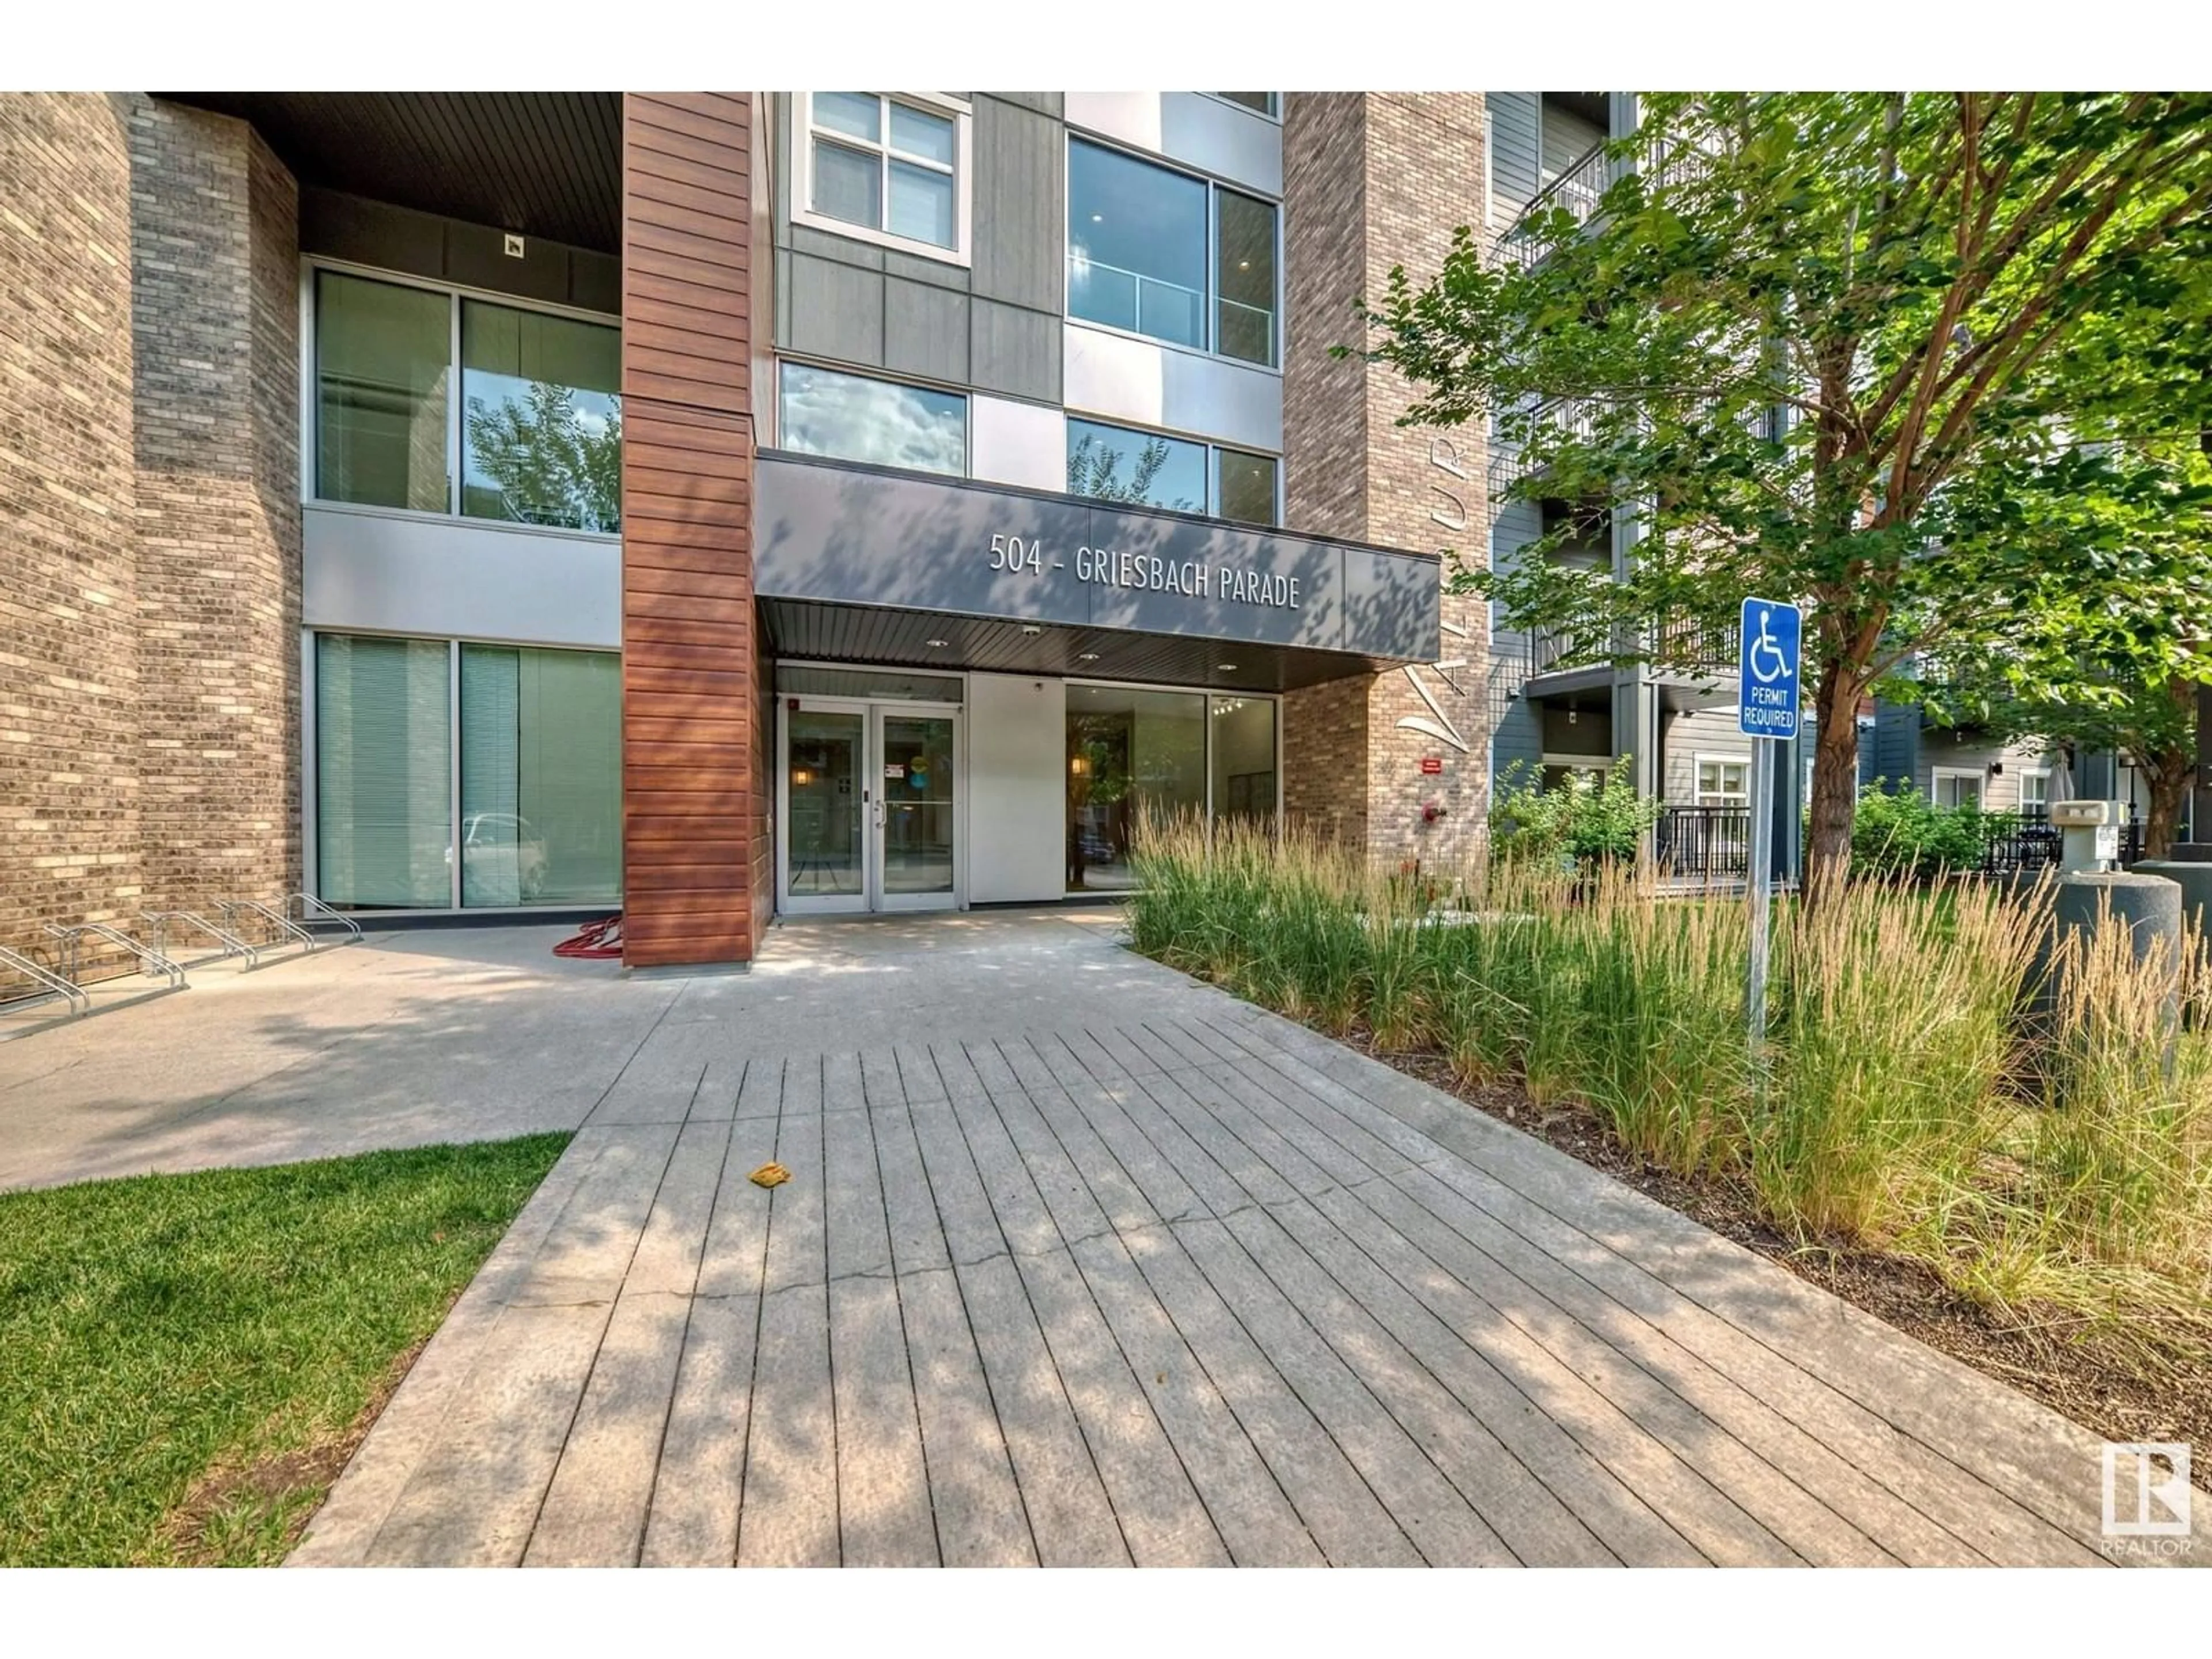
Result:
[1767,649]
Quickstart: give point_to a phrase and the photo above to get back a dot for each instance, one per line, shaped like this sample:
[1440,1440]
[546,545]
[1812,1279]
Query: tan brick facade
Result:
[1372,180]
[149,582]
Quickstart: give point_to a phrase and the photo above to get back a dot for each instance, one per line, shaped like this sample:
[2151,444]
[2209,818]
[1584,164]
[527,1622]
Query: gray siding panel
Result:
[1567,139]
[1705,732]
[1020,205]
[1044,103]
[1896,743]
[1016,352]
[1516,739]
[826,244]
[837,311]
[1514,147]
[925,330]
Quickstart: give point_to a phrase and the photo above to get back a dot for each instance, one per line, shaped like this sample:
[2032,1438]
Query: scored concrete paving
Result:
[1080,1262]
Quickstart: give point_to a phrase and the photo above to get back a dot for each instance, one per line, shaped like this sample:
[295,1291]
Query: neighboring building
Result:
[723,504]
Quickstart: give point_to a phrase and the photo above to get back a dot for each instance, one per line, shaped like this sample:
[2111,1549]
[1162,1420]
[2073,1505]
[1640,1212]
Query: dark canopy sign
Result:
[845,534]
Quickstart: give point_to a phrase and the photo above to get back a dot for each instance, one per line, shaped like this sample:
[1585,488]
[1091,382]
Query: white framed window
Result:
[1956,786]
[889,167]
[1723,781]
[2035,791]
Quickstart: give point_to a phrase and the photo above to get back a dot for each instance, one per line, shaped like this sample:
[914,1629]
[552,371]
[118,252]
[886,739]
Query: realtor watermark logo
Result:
[2146,1498]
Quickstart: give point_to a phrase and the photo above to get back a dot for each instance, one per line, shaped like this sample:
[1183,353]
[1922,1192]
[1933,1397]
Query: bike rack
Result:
[151,961]
[232,945]
[51,984]
[313,912]
[230,908]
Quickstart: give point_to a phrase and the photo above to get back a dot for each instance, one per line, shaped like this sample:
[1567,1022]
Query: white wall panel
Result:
[1236,145]
[456,578]
[1013,443]
[1016,795]
[1114,377]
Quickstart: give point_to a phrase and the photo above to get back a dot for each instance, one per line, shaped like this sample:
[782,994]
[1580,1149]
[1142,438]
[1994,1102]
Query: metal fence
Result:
[1703,843]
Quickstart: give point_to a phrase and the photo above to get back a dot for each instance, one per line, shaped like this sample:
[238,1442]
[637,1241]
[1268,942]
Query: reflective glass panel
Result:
[383,358]
[1136,246]
[1132,756]
[921,204]
[1113,463]
[917,786]
[856,114]
[1246,270]
[848,183]
[541,776]
[541,418]
[1243,759]
[1248,487]
[879,421]
[383,772]
[824,755]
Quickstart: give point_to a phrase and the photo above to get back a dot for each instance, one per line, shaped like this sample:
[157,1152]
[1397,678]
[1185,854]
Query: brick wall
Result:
[149,464]
[215,330]
[68,668]
[1372,180]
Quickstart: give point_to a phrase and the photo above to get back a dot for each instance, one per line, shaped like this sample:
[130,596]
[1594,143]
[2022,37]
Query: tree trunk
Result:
[2169,782]
[1835,784]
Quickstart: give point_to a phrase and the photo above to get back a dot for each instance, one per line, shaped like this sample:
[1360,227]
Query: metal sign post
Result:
[1766,712]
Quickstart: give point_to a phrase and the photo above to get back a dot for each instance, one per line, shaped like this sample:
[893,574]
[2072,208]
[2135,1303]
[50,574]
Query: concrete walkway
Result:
[1081,1262]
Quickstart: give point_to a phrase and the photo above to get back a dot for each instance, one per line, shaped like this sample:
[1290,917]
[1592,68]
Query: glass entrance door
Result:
[870,807]
[827,809]
[915,846]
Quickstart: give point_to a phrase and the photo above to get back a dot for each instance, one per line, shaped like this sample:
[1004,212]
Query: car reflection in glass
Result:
[502,860]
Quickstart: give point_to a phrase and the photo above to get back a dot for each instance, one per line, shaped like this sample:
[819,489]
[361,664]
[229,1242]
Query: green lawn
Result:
[184,1360]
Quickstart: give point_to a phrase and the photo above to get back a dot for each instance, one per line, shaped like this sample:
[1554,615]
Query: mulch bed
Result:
[2097,1389]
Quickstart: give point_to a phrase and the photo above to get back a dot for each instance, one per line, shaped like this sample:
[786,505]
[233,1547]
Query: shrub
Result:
[1898,831]
[1574,821]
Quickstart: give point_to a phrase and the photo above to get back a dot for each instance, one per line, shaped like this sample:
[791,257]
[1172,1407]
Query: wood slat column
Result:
[695,780]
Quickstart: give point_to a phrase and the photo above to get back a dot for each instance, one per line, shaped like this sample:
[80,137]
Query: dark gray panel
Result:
[925,330]
[1014,351]
[783,298]
[881,539]
[475,258]
[1020,205]
[342,227]
[1174,576]
[850,535]
[594,281]
[837,311]
[915,268]
[1391,604]
[827,244]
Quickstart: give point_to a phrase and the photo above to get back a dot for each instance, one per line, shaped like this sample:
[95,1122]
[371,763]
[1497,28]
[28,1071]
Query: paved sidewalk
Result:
[1081,1262]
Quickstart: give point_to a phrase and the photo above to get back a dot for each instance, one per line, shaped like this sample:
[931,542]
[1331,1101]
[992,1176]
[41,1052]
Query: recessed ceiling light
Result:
[1226,668]
[1086,656]
[939,645]
[1031,630]
[1097,218]
[1243,264]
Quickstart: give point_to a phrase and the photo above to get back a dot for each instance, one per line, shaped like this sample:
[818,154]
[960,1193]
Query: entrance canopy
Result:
[862,564]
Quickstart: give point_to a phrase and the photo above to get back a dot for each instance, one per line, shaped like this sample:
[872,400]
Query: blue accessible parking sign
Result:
[1766,675]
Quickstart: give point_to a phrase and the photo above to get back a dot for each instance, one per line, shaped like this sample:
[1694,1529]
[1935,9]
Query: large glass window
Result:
[879,421]
[541,776]
[1247,491]
[1136,246]
[885,165]
[1141,468]
[1244,747]
[1131,755]
[541,426]
[1166,255]
[383,358]
[1264,102]
[1149,469]
[538,815]
[538,414]
[383,772]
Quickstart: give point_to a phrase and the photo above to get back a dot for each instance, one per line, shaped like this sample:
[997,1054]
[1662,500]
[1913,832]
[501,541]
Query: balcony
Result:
[1703,846]
[1580,190]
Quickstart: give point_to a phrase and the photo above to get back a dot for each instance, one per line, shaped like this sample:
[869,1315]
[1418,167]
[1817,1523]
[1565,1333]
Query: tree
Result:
[2127,679]
[1839,349]
[551,464]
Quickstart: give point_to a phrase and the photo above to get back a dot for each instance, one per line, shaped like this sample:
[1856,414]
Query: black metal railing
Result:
[2024,840]
[1703,843]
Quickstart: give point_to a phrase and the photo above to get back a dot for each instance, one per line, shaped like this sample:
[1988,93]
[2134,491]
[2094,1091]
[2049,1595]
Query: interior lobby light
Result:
[1080,765]
[800,777]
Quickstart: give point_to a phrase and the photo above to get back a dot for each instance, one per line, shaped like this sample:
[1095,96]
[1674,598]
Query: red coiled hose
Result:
[595,941]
